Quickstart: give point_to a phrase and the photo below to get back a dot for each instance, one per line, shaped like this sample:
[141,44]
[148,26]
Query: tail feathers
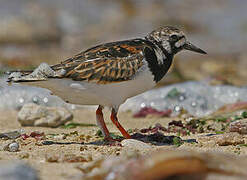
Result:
[19,76]
[41,73]
[24,72]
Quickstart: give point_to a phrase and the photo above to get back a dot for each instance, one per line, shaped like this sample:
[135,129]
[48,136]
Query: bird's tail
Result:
[42,72]
[11,75]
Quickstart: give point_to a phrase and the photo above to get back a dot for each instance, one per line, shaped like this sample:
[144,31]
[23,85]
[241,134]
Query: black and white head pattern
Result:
[169,38]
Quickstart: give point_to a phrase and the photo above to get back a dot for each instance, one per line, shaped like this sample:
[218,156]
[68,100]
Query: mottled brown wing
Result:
[107,63]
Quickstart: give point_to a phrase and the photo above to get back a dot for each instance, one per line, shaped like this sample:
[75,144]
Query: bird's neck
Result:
[164,55]
[158,58]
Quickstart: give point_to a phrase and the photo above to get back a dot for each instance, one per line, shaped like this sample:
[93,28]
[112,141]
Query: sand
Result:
[35,153]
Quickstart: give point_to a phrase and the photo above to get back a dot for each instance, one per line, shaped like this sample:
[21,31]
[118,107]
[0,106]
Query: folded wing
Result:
[106,63]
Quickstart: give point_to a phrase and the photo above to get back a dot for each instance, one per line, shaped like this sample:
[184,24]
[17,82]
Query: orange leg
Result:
[118,125]
[101,124]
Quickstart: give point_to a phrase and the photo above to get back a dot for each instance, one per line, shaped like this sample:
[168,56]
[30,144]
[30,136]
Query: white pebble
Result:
[135,144]
[12,147]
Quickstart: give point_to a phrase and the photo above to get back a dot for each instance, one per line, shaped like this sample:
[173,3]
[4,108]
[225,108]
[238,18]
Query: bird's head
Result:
[172,40]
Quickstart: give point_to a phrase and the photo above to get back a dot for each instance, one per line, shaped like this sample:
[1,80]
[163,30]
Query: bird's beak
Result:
[191,47]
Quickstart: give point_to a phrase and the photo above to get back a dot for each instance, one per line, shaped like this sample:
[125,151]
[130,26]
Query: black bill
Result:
[191,47]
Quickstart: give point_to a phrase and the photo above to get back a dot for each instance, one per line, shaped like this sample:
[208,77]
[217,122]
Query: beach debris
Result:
[156,138]
[24,136]
[150,111]
[165,164]
[239,126]
[37,135]
[59,137]
[157,127]
[35,115]
[135,145]
[12,147]
[69,158]
[225,139]
[24,155]
[72,125]
[216,123]
[113,135]
[10,135]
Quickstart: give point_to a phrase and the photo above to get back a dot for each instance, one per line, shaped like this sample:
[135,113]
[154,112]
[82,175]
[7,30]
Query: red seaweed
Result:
[149,110]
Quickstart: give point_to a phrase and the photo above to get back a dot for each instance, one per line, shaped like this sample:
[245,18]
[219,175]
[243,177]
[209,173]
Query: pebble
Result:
[10,135]
[23,155]
[52,158]
[239,126]
[70,158]
[12,147]
[59,137]
[135,145]
[225,139]
[35,115]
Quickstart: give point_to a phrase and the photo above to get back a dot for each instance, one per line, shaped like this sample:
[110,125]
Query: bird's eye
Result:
[174,37]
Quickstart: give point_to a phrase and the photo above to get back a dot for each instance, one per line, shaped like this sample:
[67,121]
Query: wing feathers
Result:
[106,63]
[103,64]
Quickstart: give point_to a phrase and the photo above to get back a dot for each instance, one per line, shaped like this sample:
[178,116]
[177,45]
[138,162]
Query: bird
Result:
[108,74]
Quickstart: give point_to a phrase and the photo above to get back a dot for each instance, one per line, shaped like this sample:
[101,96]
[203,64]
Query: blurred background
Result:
[35,31]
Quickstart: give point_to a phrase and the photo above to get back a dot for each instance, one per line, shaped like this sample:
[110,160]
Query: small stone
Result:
[135,145]
[239,126]
[223,139]
[24,155]
[35,115]
[70,158]
[52,158]
[10,135]
[59,137]
[87,156]
[177,108]
[12,147]
[92,165]
[83,148]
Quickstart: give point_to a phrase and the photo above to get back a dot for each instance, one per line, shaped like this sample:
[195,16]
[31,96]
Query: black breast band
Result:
[158,70]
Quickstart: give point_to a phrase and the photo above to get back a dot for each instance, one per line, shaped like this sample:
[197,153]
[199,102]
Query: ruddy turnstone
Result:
[110,73]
